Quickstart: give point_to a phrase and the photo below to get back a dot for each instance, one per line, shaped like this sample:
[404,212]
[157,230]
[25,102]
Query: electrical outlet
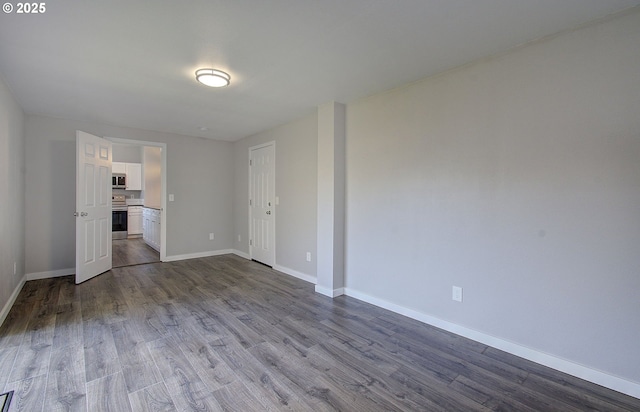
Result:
[456,294]
[211,236]
[308,256]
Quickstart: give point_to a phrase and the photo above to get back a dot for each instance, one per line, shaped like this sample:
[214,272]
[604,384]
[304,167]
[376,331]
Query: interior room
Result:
[325,205]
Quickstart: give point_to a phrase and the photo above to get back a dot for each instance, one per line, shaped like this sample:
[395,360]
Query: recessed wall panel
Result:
[105,237]
[89,185]
[89,150]
[104,186]
[104,152]
[89,249]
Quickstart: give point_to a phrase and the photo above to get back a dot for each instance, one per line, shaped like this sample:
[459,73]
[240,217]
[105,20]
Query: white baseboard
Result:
[241,254]
[295,273]
[279,268]
[12,299]
[51,274]
[332,293]
[197,255]
[592,375]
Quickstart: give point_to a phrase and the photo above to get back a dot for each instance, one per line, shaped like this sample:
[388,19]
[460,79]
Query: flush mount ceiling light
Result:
[213,77]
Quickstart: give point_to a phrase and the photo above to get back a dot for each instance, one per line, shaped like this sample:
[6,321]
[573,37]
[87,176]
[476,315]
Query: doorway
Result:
[94,203]
[145,234]
[262,237]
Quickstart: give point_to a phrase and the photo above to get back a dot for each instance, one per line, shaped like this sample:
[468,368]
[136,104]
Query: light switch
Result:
[456,294]
[171,198]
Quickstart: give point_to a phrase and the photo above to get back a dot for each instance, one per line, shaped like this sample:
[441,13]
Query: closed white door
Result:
[261,204]
[93,206]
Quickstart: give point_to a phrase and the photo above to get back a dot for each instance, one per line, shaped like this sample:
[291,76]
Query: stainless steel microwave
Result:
[119,180]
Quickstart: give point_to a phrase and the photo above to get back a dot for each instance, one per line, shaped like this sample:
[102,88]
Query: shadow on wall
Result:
[61,194]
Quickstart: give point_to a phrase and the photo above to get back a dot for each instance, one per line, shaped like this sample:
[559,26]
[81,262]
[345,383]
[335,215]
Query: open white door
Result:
[262,204]
[93,206]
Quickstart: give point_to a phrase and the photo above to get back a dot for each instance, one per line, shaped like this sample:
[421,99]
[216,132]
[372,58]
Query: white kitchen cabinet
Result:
[133,172]
[146,225]
[134,220]
[151,227]
[134,176]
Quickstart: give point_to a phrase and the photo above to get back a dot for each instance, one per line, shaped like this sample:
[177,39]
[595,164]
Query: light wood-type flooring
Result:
[127,252]
[224,333]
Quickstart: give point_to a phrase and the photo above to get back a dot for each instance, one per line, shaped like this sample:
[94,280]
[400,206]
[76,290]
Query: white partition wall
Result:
[331,192]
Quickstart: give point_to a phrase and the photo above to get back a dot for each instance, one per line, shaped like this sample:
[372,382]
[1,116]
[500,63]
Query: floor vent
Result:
[5,401]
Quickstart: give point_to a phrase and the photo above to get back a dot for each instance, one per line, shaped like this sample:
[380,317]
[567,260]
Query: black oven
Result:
[119,223]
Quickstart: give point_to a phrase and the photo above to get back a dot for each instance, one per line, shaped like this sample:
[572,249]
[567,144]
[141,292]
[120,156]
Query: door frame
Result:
[163,186]
[273,219]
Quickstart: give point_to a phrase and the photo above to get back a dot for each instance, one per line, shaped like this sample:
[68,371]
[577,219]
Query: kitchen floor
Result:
[128,252]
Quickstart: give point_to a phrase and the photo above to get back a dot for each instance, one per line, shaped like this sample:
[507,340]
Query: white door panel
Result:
[93,206]
[262,207]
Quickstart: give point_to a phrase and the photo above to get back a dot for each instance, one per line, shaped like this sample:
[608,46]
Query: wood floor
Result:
[224,333]
[127,252]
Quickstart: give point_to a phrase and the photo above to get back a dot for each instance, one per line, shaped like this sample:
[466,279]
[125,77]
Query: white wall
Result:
[127,153]
[12,198]
[517,178]
[296,187]
[152,174]
[199,174]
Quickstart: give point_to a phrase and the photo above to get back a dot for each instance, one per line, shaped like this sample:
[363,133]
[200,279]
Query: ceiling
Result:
[132,63]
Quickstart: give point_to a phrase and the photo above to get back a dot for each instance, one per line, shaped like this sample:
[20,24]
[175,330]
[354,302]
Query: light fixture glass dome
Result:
[213,77]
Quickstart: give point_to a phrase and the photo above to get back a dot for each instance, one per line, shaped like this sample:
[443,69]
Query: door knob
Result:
[75,214]
[84,214]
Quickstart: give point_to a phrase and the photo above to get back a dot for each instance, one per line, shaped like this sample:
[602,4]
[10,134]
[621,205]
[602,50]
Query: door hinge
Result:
[250,204]
[250,242]
[250,162]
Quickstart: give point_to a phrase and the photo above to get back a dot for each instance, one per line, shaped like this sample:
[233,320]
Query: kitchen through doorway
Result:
[138,232]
